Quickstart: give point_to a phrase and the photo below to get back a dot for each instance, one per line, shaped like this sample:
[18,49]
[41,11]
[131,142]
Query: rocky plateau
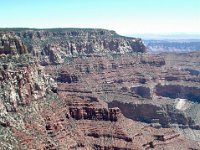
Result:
[92,89]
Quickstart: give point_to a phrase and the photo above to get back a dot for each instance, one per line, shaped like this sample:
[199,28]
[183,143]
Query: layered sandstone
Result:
[97,90]
[156,94]
[11,45]
[52,46]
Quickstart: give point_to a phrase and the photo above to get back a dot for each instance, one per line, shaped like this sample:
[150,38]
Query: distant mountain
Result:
[180,42]
[172,45]
[173,36]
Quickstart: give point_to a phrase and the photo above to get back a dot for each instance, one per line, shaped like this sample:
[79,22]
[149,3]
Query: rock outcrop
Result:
[94,113]
[96,90]
[160,95]
[22,82]
[191,93]
[11,45]
[52,46]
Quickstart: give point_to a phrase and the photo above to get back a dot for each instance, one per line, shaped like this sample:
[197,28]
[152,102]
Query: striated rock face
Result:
[153,60]
[22,79]
[21,85]
[94,113]
[52,53]
[54,45]
[22,82]
[91,116]
[11,45]
[141,91]
[157,116]
[64,76]
[161,95]
[179,91]
[89,95]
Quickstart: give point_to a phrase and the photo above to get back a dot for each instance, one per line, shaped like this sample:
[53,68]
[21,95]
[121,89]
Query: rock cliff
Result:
[23,82]
[155,92]
[95,90]
[54,45]
[11,45]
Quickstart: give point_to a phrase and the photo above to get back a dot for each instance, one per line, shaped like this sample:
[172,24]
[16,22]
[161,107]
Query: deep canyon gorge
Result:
[92,89]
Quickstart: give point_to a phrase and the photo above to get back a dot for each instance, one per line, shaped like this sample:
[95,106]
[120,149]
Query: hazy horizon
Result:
[123,16]
[164,36]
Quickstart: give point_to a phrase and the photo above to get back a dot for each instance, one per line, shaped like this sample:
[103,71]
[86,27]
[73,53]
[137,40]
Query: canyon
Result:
[94,89]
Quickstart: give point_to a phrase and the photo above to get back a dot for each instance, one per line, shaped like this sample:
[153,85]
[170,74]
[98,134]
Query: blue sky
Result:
[124,16]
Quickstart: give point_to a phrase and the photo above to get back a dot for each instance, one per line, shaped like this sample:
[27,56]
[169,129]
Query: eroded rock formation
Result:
[54,45]
[97,90]
[11,45]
